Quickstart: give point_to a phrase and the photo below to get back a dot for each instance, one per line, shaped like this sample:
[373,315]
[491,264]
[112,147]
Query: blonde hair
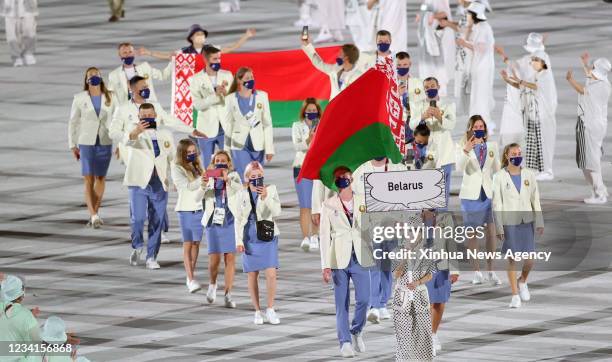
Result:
[506,160]
[193,168]
[239,74]
[254,165]
[230,164]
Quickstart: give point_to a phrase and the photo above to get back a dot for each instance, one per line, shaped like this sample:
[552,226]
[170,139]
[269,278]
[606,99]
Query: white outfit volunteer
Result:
[119,79]
[361,23]
[20,25]
[392,17]
[546,96]
[330,15]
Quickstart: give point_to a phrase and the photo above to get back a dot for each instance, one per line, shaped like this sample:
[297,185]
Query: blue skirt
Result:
[191,225]
[477,212]
[95,159]
[221,238]
[258,254]
[439,287]
[518,238]
[304,190]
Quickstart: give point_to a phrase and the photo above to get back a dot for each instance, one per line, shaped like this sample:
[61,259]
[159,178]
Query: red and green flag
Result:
[362,122]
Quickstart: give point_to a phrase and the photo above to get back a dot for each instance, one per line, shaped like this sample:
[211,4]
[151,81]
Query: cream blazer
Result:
[239,128]
[233,186]
[84,125]
[474,177]
[141,160]
[299,133]
[212,110]
[118,82]
[240,206]
[440,130]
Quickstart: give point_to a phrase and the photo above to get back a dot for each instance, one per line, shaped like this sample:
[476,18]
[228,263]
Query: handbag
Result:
[265,228]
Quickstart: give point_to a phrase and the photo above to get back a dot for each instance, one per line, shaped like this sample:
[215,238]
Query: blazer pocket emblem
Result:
[430,157]
[417,91]
[490,153]
[259,106]
[167,144]
[526,182]
[362,208]
[145,76]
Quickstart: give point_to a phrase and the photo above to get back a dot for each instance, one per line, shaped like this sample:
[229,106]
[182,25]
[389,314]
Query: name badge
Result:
[218,216]
[252,119]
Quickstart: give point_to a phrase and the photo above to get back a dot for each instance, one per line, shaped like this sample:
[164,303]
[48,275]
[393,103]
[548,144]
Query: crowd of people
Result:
[218,169]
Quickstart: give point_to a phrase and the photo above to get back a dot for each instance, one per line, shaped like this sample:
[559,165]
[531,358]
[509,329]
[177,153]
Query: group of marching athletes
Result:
[218,171]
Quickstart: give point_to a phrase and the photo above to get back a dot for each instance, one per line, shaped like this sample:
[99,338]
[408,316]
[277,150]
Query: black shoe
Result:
[123,13]
[113,19]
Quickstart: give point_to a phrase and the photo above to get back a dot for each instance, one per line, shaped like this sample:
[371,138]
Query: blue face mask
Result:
[479,133]
[379,158]
[339,61]
[420,146]
[516,161]
[250,84]
[432,93]
[94,80]
[191,157]
[220,165]
[257,182]
[145,93]
[127,60]
[151,121]
[312,115]
[383,47]
[215,66]
[402,71]
[342,182]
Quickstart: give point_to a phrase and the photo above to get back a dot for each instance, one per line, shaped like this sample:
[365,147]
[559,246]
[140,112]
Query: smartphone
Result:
[469,135]
[215,172]
[305,33]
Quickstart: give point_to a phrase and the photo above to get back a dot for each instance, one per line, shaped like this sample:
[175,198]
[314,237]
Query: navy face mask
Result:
[215,66]
[383,47]
[145,93]
[342,183]
[312,115]
[257,182]
[432,93]
[250,84]
[479,133]
[94,80]
[379,158]
[151,122]
[127,60]
[220,165]
[339,61]
[191,157]
[516,161]
[402,71]
[421,145]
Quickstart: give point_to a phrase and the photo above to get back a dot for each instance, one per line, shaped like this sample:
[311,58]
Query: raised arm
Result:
[243,39]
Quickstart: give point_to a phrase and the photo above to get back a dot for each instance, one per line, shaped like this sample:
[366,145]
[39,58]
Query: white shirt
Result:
[130,72]
[348,205]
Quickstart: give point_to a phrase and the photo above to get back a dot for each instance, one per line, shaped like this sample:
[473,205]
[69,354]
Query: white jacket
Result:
[118,82]
[440,130]
[513,208]
[140,160]
[212,110]
[338,238]
[431,156]
[234,185]
[239,128]
[299,133]
[416,95]
[240,206]
[332,71]
[320,193]
[358,175]
[474,177]
[84,125]
[190,192]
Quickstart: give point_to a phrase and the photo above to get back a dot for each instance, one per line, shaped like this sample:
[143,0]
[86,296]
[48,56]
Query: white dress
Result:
[393,18]
[592,124]
[463,61]
[482,71]
[360,22]
[330,14]
[511,129]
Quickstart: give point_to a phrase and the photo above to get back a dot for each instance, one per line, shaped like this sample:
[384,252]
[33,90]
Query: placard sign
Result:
[404,190]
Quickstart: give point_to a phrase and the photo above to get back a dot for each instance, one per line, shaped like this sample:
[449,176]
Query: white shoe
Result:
[96,222]
[211,295]
[493,278]
[323,37]
[338,35]
[358,343]
[135,256]
[305,245]
[229,303]
[384,313]
[314,243]
[193,286]
[523,291]
[29,59]
[374,315]
[596,200]
[152,264]
[258,318]
[436,342]
[18,62]
[545,176]
[271,316]
[164,239]
[347,350]
[516,302]
[478,278]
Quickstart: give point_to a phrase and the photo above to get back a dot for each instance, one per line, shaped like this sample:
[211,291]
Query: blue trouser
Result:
[150,203]
[207,146]
[361,281]
[381,278]
[448,169]
[241,158]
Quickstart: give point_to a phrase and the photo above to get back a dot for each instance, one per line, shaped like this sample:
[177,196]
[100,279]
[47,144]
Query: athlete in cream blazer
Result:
[141,160]
[212,110]
[119,83]
[85,125]
[368,167]
[332,71]
[474,177]
[513,208]
[267,209]
[190,192]
[440,129]
[239,128]
[338,238]
[234,186]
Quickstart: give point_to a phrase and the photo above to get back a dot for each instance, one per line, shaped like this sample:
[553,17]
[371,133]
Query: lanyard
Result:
[417,153]
[222,192]
[349,215]
[482,154]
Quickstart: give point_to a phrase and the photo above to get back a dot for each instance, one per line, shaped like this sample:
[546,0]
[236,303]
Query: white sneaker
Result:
[258,318]
[478,278]
[229,303]
[374,315]
[18,62]
[358,343]
[323,37]
[152,264]
[135,256]
[29,59]
[193,286]
[596,200]
[314,242]
[516,302]
[545,176]
[96,222]
[493,278]
[338,35]
[523,291]
[436,342]
[271,316]
[211,295]
[164,239]
[305,245]
[384,313]
[347,350]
